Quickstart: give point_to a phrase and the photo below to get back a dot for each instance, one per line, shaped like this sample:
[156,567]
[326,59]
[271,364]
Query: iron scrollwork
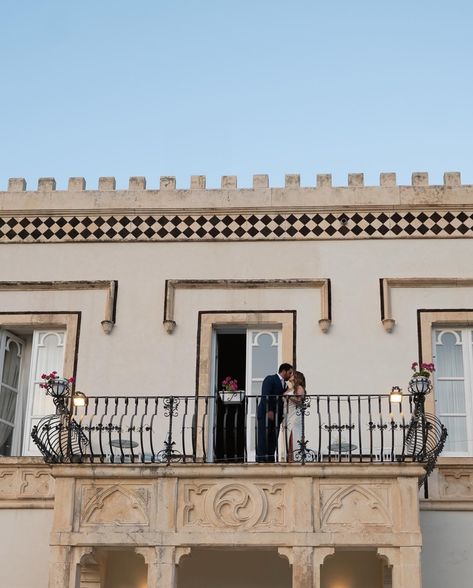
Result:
[304,453]
[168,454]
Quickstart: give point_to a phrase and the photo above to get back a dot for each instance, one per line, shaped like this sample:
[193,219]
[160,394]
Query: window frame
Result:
[428,320]
[23,324]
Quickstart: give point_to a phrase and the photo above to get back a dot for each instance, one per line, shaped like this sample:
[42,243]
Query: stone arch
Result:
[247,566]
[353,566]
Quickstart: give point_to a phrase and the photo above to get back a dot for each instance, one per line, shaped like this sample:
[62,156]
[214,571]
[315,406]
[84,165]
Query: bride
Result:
[291,426]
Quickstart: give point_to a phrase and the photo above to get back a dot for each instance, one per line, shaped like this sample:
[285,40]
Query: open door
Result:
[263,358]
[247,355]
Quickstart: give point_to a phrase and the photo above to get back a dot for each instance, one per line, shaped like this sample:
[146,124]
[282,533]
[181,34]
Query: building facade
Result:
[149,298]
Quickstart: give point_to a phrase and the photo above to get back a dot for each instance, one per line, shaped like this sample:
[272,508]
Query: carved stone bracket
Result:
[386,284]
[323,284]
[110,286]
[26,487]
[288,553]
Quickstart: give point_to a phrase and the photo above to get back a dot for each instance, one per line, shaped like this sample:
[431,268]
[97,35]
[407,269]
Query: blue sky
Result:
[178,87]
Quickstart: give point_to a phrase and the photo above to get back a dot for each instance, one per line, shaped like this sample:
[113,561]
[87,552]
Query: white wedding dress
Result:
[290,431]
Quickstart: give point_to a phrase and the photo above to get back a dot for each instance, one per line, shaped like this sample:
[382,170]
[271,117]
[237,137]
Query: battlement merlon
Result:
[261,196]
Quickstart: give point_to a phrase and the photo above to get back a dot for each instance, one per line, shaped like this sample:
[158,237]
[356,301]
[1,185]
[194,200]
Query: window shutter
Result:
[11,358]
[263,358]
[451,383]
[47,355]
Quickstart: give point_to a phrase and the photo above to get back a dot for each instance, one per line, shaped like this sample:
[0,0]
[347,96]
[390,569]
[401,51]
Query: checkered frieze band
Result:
[236,226]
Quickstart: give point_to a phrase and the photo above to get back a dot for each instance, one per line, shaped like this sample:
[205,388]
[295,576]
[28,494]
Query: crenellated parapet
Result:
[262,212]
[260,181]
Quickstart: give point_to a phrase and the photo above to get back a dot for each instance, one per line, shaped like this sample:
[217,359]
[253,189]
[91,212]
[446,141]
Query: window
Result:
[12,351]
[453,356]
[31,343]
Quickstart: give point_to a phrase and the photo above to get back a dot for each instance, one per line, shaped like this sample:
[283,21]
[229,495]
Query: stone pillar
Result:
[306,563]
[60,568]
[302,567]
[405,562]
[410,567]
[90,570]
[162,563]
[320,553]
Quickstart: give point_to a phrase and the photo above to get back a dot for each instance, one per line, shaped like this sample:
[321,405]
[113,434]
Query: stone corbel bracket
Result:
[323,284]
[110,286]
[386,284]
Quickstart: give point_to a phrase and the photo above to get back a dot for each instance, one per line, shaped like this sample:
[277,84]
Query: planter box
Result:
[233,397]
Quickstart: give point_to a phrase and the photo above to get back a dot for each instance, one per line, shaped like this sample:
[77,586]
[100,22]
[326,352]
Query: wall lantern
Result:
[79,399]
[396,395]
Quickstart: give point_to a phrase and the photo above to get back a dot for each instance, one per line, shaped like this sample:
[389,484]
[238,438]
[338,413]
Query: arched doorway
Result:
[355,569]
[235,568]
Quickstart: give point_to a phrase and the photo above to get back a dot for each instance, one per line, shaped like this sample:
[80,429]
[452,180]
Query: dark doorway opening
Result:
[230,425]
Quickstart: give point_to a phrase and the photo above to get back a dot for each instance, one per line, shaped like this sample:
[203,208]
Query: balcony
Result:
[355,429]
[164,478]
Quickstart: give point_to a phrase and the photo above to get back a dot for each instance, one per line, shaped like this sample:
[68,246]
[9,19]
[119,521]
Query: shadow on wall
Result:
[215,568]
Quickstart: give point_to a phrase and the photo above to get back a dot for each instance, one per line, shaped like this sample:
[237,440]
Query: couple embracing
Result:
[279,421]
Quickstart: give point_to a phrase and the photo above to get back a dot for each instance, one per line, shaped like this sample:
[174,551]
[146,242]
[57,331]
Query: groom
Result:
[270,409]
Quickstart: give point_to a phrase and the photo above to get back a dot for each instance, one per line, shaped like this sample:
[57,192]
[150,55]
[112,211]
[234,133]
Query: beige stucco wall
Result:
[356,341]
[24,547]
[357,355]
[447,553]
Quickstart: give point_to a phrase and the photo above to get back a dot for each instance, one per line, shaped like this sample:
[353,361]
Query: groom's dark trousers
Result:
[268,429]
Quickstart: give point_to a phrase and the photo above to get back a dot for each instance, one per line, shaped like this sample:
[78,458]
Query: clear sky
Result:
[178,87]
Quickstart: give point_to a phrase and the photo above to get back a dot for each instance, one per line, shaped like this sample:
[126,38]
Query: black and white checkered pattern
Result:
[237,226]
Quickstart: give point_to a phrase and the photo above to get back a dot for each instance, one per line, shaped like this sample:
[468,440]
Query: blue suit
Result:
[268,430]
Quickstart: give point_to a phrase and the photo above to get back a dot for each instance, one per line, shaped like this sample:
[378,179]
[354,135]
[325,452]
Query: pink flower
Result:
[70,380]
[414,365]
[229,384]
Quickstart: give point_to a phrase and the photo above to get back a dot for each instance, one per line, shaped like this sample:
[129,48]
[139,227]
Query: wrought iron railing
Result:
[190,429]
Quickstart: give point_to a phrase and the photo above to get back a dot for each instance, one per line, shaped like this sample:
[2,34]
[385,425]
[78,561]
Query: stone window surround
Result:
[210,319]
[53,319]
[27,482]
[427,319]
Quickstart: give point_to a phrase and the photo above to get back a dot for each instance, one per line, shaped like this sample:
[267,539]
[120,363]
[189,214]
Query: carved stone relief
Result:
[457,483]
[118,504]
[26,483]
[355,507]
[234,506]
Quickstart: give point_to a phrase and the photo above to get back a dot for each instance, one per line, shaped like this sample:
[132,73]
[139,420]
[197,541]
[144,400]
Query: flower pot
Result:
[232,397]
[419,385]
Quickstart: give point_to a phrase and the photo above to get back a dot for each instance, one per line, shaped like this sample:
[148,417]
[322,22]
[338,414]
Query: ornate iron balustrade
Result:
[190,429]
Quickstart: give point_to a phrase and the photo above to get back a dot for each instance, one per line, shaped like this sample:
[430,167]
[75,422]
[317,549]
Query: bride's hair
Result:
[299,380]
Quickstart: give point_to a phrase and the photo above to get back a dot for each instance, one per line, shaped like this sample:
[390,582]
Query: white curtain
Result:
[450,393]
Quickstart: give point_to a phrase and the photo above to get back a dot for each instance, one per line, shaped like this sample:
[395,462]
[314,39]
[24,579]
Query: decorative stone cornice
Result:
[277,223]
[110,286]
[386,285]
[292,212]
[322,283]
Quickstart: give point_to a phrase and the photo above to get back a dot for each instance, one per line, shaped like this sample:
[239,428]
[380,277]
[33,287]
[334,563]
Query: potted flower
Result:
[420,380]
[55,385]
[230,393]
